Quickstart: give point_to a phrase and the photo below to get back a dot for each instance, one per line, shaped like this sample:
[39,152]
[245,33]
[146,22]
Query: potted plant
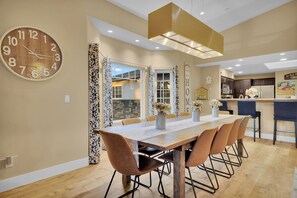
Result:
[197,108]
[215,104]
[161,109]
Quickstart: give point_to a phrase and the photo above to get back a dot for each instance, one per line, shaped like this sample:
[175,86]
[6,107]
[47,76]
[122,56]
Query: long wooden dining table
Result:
[179,133]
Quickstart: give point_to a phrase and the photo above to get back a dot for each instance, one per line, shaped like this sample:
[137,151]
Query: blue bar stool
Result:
[224,107]
[285,111]
[248,107]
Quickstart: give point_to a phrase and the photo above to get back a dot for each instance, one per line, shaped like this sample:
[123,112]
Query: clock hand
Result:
[44,55]
[31,52]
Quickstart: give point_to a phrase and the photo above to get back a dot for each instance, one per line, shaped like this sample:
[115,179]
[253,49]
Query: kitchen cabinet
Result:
[240,86]
[263,81]
[227,85]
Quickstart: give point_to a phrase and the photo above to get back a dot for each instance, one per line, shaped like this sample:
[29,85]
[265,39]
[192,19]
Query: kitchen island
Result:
[286,130]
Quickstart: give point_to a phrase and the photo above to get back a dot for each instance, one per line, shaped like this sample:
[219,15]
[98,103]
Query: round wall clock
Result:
[30,53]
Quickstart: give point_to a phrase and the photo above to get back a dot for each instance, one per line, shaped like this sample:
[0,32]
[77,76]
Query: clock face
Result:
[30,53]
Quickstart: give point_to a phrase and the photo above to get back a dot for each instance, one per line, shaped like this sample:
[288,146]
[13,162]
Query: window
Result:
[126,86]
[163,87]
[117,92]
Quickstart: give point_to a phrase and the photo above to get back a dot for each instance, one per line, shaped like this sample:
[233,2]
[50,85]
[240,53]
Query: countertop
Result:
[262,99]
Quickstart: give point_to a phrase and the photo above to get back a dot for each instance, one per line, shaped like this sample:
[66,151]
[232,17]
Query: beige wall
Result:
[271,75]
[280,77]
[272,32]
[35,123]
[213,88]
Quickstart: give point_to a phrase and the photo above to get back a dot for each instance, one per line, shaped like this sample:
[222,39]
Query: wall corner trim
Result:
[28,178]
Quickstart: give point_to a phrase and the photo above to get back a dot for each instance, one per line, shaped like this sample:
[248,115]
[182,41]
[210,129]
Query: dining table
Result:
[177,136]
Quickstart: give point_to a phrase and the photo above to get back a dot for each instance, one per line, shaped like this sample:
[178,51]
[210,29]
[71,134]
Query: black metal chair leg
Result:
[110,184]
[209,177]
[260,126]
[237,155]
[229,161]
[192,182]
[274,131]
[214,173]
[254,129]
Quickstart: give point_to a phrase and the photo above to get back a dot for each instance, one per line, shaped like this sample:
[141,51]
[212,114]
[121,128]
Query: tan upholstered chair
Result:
[168,116]
[231,142]
[219,144]
[224,112]
[123,161]
[151,118]
[241,133]
[131,121]
[184,114]
[197,156]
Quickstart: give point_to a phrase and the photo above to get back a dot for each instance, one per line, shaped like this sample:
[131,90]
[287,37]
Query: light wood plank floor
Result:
[268,172]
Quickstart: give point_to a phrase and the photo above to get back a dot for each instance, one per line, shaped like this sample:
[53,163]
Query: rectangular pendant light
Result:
[175,28]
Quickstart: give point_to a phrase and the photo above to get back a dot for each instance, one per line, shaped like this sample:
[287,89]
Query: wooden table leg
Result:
[239,147]
[126,180]
[179,172]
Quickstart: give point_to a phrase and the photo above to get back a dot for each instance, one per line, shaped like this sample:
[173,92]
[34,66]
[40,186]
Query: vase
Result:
[160,121]
[196,115]
[215,111]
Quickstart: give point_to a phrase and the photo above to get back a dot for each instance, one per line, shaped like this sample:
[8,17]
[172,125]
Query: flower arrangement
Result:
[161,107]
[197,104]
[215,103]
[251,92]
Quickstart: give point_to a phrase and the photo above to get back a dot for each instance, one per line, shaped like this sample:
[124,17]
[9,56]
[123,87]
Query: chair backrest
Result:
[234,132]
[201,148]
[119,153]
[285,110]
[184,114]
[247,107]
[170,116]
[242,128]
[131,121]
[150,118]
[224,112]
[221,138]
[224,105]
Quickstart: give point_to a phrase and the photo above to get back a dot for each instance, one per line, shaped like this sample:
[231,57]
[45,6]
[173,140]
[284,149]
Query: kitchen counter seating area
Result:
[286,128]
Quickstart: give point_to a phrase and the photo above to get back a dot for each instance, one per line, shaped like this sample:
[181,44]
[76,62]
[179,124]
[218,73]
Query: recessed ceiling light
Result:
[110,31]
[229,68]
[237,65]
[283,59]
[137,40]
[202,13]
[157,47]
[240,60]
[240,72]
[282,54]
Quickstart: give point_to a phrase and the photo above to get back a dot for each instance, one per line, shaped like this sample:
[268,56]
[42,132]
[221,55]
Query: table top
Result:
[179,131]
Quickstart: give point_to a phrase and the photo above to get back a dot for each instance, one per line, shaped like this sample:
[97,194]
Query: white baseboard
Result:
[270,137]
[17,181]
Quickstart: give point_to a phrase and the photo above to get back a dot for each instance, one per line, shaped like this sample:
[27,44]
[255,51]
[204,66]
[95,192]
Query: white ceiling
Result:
[219,15]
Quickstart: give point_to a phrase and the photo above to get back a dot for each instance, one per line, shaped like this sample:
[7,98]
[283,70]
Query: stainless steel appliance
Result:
[265,91]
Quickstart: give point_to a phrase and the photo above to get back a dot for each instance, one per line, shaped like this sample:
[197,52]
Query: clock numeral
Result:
[35,73]
[12,40]
[23,69]
[57,57]
[33,34]
[21,34]
[6,50]
[53,47]
[44,38]
[54,66]
[12,62]
[46,72]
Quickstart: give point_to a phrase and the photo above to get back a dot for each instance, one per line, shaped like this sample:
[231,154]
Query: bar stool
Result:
[248,107]
[285,111]
[225,107]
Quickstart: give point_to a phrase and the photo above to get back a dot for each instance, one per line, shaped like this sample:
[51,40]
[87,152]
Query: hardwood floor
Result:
[268,172]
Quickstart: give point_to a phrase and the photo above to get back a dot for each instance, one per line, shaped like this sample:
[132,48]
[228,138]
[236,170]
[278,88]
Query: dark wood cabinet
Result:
[264,81]
[240,86]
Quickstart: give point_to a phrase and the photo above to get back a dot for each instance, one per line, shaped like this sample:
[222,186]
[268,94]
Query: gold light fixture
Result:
[175,28]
